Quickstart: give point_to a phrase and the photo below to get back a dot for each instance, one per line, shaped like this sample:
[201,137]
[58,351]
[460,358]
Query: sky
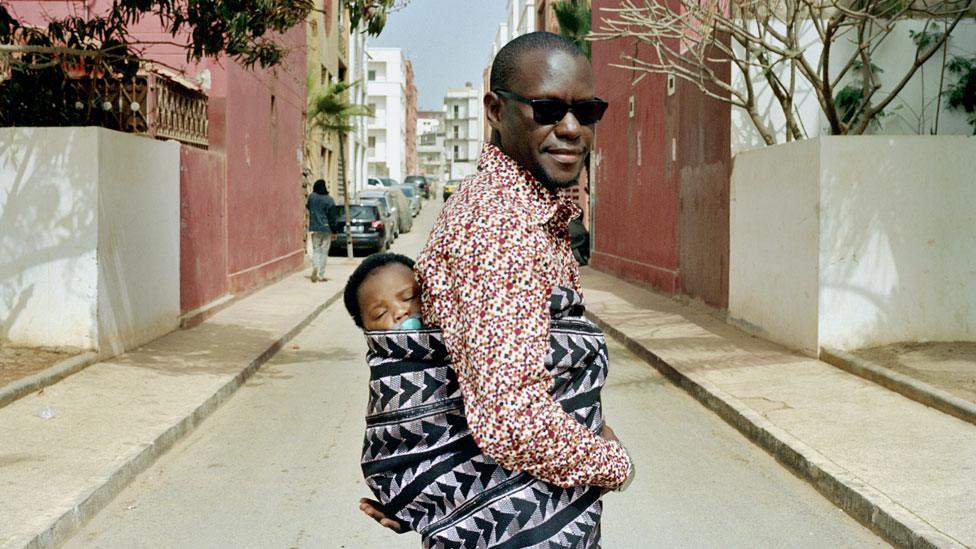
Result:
[448,42]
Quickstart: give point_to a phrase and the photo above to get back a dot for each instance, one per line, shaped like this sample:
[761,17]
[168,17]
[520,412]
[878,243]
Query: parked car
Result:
[397,202]
[368,230]
[450,187]
[387,209]
[412,196]
[421,184]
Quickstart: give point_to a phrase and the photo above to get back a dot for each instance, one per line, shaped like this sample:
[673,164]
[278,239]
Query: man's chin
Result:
[553,183]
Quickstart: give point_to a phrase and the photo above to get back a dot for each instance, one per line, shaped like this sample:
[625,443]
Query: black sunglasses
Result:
[551,111]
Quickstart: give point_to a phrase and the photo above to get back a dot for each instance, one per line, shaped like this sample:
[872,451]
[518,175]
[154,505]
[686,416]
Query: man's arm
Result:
[493,309]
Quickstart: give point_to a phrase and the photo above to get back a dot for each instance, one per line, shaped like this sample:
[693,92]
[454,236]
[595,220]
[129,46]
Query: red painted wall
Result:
[636,197]
[203,228]
[661,190]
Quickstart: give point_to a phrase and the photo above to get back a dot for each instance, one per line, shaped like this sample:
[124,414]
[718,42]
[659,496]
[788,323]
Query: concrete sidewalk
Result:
[906,470]
[114,418]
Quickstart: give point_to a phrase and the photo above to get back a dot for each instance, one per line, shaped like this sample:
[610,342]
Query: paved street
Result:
[277,465]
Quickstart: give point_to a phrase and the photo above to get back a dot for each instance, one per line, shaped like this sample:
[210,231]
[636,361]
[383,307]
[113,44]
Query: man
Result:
[320,218]
[496,251]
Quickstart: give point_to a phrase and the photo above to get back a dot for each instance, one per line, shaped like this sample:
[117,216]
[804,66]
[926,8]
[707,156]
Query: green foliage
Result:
[331,112]
[575,19]
[370,13]
[38,91]
[961,95]
[849,100]
[925,37]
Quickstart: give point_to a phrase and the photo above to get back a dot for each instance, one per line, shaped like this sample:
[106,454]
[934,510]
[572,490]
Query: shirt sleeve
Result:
[491,300]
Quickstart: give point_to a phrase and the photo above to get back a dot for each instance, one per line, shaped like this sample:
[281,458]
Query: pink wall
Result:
[265,199]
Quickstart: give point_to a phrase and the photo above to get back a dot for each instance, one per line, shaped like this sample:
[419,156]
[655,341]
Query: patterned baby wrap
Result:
[421,462]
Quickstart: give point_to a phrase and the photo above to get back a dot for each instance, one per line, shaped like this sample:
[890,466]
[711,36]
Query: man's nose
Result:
[569,127]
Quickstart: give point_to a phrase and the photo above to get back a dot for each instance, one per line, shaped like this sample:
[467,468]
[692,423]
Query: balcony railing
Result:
[177,112]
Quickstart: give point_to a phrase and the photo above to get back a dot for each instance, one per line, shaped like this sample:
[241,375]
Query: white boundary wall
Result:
[89,238]
[852,242]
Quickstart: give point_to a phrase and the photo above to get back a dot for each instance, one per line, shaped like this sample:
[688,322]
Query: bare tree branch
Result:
[761,40]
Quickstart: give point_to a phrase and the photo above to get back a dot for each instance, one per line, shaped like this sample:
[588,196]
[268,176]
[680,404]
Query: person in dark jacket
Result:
[320,219]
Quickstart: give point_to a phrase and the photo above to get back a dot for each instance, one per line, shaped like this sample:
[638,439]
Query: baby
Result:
[419,457]
[382,294]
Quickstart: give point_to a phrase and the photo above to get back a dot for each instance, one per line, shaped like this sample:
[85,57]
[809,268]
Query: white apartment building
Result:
[386,79]
[463,130]
[357,139]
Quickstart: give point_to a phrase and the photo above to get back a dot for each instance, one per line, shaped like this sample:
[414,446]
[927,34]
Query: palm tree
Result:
[331,112]
[575,19]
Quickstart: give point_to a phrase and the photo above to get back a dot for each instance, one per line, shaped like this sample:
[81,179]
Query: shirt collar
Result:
[540,203]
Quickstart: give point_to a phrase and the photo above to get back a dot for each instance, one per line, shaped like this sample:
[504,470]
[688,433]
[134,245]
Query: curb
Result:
[864,503]
[49,376]
[65,525]
[919,391]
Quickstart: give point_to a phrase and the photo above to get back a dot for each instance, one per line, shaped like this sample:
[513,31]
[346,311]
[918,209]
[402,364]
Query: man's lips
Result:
[565,156]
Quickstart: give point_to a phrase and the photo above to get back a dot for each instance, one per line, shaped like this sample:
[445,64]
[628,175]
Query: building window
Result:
[457,153]
[457,132]
[372,141]
[457,110]
[371,75]
[372,110]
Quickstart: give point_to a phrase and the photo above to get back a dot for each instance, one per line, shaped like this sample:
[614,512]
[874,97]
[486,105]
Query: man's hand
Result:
[372,510]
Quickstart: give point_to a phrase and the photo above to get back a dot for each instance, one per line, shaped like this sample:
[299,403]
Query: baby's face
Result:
[388,295]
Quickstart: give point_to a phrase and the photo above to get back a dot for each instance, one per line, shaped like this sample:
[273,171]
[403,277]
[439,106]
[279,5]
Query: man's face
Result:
[553,153]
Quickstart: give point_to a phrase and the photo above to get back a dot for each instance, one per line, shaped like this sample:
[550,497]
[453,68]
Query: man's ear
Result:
[493,109]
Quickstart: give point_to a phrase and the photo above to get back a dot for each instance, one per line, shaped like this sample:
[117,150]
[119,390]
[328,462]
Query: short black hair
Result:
[504,69]
[319,187]
[350,295]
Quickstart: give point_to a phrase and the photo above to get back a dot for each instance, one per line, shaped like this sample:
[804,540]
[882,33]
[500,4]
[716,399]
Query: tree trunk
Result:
[345,192]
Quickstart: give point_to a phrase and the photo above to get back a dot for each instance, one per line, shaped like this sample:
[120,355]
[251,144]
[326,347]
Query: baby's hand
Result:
[372,510]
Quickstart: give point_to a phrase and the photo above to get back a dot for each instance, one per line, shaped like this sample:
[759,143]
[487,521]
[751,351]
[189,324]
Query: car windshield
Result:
[389,182]
[378,200]
[356,211]
[375,198]
[414,179]
[407,190]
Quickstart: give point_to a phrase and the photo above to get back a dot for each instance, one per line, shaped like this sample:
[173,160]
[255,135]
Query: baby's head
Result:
[382,291]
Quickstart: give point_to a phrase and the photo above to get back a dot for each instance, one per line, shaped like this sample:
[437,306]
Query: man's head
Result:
[542,65]
[382,291]
[319,187]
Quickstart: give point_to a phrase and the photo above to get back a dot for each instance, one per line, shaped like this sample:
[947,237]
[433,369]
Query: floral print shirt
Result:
[497,249]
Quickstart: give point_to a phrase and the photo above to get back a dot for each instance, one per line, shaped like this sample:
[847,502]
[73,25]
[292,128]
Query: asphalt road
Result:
[277,465]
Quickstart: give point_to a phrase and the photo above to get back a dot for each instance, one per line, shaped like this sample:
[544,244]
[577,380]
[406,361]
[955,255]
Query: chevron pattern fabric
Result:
[423,465]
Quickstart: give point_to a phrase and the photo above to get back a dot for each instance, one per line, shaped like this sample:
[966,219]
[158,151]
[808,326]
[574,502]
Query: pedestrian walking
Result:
[321,216]
[487,274]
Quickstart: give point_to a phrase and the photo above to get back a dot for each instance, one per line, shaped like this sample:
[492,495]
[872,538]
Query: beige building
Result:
[410,133]
[430,144]
[328,44]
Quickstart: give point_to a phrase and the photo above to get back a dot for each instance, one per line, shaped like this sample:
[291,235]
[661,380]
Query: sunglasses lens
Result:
[548,111]
[589,112]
